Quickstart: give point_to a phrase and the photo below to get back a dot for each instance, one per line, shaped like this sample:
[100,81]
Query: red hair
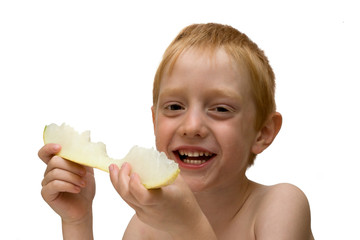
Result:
[244,52]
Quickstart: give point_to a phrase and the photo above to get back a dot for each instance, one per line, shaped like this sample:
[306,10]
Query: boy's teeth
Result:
[194,154]
[194,161]
[186,155]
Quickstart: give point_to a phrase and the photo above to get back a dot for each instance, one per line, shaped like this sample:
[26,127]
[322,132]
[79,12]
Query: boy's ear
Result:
[267,133]
[153,115]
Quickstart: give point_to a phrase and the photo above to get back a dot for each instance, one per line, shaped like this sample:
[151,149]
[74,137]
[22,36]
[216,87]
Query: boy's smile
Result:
[192,157]
[204,118]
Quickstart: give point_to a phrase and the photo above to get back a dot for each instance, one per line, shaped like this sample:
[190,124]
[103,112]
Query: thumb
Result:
[120,177]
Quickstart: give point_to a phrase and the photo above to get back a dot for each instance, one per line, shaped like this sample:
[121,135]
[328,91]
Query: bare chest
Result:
[241,228]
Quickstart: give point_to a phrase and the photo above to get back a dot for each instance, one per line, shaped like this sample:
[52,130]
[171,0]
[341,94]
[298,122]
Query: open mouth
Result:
[194,157]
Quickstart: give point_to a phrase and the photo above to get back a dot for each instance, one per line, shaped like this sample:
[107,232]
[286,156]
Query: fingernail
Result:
[124,164]
[57,147]
[111,167]
[82,184]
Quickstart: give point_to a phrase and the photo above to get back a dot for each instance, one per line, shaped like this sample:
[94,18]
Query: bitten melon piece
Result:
[154,168]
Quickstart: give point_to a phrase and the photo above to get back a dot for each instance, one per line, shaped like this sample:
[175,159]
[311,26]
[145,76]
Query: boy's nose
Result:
[193,125]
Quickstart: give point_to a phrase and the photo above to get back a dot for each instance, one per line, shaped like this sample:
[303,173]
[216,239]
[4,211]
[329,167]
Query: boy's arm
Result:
[78,231]
[284,214]
[69,189]
[171,210]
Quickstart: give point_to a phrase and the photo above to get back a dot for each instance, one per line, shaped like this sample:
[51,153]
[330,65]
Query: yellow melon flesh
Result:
[154,168]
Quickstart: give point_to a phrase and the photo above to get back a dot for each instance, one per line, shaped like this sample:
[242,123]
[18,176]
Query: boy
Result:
[213,112]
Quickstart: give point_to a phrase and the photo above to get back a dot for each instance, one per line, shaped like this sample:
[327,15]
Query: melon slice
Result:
[154,168]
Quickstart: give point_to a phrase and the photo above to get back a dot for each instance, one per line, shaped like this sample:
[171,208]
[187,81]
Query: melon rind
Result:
[154,168]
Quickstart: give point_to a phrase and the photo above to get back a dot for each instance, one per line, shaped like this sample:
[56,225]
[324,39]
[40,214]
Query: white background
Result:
[91,64]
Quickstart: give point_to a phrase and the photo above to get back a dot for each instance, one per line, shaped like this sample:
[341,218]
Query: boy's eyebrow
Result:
[218,92]
[227,93]
[168,92]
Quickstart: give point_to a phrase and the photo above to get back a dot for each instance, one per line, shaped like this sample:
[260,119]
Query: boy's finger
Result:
[57,162]
[142,195]
[65,176]
[123,180]
[120,177]
[48,151]
[114,173]
[120,180]
[51,191]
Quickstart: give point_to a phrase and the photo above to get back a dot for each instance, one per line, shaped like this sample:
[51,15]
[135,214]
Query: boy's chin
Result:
[195,183]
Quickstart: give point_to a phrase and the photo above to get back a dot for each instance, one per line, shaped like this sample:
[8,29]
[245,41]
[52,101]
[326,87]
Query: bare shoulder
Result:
[136,229]
[283,213]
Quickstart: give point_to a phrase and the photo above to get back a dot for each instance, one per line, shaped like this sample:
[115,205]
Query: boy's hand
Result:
[172,209]
[67,187]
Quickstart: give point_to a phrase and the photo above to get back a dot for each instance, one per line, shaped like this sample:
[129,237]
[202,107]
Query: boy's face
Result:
[204,118]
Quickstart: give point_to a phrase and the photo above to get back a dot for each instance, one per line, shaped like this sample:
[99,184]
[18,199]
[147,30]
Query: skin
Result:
[204,106]
[69,189]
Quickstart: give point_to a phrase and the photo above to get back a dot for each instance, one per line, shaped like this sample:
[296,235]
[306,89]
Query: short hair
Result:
[244,52]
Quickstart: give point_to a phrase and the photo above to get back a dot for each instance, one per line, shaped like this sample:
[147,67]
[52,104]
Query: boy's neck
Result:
[220,205]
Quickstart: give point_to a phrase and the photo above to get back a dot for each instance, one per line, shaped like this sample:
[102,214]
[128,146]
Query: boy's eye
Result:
[222,112]
[174,107]
[221,109]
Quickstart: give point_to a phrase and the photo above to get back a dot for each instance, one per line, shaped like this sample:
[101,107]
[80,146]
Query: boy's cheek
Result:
[163,137]
[159,141]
